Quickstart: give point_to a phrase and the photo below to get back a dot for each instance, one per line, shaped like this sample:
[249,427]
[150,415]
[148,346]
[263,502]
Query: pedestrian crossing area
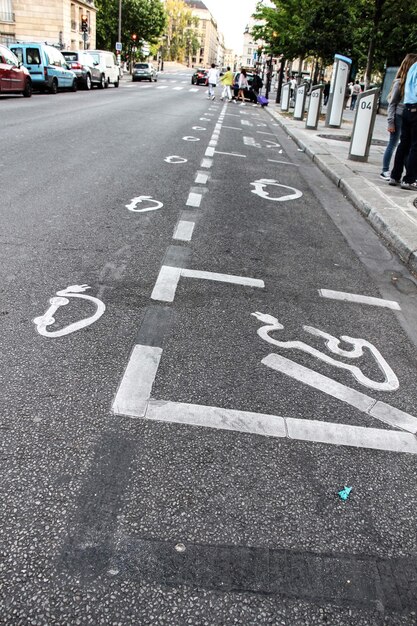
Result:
[171,86]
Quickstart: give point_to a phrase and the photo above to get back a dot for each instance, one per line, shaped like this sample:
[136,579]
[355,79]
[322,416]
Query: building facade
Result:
[57,22]
[207,33]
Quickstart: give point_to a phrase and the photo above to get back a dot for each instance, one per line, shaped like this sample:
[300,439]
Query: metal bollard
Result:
[300,101]
[363,126]
[285,97]
[314,107]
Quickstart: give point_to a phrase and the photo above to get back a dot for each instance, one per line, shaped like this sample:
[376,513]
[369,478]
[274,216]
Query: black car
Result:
[248,93]
[83,67]
[199,77]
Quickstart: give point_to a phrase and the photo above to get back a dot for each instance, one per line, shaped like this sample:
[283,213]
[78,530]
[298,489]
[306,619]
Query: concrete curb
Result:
[394,225]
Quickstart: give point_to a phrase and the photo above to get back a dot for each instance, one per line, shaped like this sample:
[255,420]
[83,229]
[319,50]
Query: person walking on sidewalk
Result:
[395,113]
[243,84]
[356,89]
[227,82]
[257,85]
[212,79]
[406,153]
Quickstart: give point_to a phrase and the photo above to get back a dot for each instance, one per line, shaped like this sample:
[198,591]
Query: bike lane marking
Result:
[353,297]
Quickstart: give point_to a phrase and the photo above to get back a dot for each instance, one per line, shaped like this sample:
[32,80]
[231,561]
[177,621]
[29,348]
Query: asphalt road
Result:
[162,462]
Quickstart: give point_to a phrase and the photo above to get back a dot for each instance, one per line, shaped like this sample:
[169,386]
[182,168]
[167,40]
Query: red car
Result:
[14,78]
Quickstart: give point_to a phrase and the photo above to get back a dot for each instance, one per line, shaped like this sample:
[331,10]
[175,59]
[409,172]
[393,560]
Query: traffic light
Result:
[84,24]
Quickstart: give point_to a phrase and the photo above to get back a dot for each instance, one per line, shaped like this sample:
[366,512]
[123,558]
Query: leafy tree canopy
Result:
[144,18]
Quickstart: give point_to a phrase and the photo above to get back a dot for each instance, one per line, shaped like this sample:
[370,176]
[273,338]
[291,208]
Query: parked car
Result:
[199,77]
[144,71]
[47,67]
[106,63]
[248,93]
[14,78]
[82,65]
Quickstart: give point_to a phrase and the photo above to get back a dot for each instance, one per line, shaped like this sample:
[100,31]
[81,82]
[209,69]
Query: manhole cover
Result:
[374,142]
[415,203]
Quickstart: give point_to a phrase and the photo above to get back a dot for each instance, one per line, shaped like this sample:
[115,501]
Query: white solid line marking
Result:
[262,132]
[194,199]
[346,435]
[366,404]
[224,278]
[184,230]
[283,162]
[135,388]
[352,297]
[276,426]
[167,281]
[162,87]
[177,88]
[209,152]
[194,89]
[166,284]
[243,156]
[201,178]
[232,128]
[207,163]
[216,417]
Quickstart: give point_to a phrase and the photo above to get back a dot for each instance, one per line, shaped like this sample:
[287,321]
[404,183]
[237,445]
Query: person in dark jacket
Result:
[257,85]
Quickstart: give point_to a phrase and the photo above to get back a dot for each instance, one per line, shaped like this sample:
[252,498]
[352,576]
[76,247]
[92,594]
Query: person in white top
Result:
[212,79]
[243,84]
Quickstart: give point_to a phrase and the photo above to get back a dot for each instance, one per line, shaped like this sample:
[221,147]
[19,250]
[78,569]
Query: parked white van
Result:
[106,63]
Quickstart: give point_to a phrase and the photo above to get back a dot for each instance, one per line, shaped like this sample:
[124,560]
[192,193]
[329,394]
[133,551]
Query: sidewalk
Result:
[391,210]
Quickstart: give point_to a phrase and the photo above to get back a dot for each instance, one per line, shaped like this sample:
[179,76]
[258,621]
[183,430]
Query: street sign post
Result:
[119,46]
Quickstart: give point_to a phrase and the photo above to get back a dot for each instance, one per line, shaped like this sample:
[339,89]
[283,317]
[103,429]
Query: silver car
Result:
[144,71]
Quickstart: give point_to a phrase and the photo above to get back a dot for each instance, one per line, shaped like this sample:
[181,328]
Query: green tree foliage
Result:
[182,39]
[144,18]
[374,33]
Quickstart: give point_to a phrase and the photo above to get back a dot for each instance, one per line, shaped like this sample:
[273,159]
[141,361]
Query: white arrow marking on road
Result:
[266,182]
[175,159]
[47,319]
[135,201]
[271,144]
[189,138]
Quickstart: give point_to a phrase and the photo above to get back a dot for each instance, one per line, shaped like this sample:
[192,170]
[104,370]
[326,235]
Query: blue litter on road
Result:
[344,493]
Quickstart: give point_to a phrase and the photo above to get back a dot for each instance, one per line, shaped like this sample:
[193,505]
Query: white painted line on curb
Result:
[381,411]
[184,230]
[135,388]
[194,199]
[352,297]
[166,284]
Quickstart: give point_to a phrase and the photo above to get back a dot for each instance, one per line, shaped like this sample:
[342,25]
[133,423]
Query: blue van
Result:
[47,66]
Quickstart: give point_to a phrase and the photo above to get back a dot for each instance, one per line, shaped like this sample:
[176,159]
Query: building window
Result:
[7,38]
[6,11]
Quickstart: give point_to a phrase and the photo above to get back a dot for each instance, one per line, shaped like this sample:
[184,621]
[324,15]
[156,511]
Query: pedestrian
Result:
[406,153]
[356,89]
[326,93]
[257,84]
[293,85]
[227,82]
[395,113]
[243,84]
[212,80]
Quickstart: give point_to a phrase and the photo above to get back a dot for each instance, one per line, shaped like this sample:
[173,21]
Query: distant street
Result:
[203,342]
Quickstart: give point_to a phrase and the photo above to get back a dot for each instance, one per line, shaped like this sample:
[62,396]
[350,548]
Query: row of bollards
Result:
[365,113]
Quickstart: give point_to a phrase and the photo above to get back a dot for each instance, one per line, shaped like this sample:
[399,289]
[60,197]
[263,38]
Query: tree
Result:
[182,39]
[144,18]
